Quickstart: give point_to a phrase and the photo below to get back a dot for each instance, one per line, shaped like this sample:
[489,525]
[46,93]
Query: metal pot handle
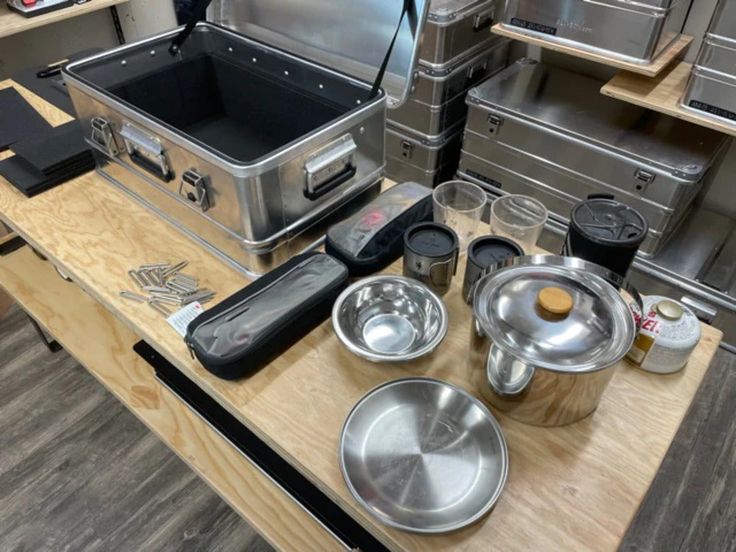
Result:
[498,365]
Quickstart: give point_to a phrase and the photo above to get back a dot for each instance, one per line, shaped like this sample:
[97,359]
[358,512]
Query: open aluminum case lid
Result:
[351,36]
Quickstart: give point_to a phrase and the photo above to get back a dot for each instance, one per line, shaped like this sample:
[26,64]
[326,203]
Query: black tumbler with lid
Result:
[606,232]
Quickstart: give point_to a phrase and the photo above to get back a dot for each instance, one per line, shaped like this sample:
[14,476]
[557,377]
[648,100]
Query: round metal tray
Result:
[423,456]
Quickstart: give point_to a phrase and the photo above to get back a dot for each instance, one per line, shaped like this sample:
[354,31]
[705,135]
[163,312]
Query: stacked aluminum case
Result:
[634,31]
[712,86]
[541,131]
[423,136]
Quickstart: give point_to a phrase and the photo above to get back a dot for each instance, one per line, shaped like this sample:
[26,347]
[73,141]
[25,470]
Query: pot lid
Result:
[609,221]
[550,314]
[352,36]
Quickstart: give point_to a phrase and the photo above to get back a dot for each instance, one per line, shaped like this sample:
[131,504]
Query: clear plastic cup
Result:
[519,218]
[460,205]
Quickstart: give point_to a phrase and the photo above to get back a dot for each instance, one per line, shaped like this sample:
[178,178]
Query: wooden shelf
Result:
[662,94]
[675,50]
[103,345]
[13,23]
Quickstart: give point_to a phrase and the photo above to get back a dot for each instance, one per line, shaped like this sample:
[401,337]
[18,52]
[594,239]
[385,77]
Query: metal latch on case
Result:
[494,123]
[644,178]
[484,20]
[103,136]
[474,71]
[194,188]
[407,149]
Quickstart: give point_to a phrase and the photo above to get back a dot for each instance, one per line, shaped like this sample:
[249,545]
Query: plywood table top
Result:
[13,23]
[665,58]
[576,487]
[663,94]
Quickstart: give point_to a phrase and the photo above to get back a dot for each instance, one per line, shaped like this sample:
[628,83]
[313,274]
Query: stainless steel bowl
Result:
[390,319]
[423,456]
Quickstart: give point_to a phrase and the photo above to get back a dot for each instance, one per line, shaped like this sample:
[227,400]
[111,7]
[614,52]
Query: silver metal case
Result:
[437,98]
[454,27]
[634,31]
[712,86]
[547,132]
[428,160]
[724,20]
[712,93]
[247,208]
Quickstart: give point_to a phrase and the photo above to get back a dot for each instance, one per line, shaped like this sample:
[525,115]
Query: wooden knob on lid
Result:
[555,301]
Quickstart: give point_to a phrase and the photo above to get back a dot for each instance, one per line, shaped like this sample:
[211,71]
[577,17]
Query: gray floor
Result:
[78,472]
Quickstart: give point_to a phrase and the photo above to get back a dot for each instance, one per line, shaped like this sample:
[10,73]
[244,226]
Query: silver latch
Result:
[103,136]
[407,149]
[194,188]
[643,179]
[484,20]
[474,70]
[494,123]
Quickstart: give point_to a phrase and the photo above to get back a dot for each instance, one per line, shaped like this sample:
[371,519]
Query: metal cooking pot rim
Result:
[596,335]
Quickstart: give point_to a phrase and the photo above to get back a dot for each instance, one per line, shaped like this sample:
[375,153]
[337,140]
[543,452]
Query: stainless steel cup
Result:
[484,254]
[431,253]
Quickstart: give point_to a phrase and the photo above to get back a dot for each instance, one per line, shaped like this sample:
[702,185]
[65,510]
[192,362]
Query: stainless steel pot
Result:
[547,334]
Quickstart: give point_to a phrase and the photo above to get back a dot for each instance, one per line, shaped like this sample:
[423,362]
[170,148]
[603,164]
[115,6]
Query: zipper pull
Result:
[190,348]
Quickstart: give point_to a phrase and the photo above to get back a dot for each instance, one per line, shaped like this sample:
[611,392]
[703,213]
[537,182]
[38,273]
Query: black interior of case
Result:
[234,96]
[241,113]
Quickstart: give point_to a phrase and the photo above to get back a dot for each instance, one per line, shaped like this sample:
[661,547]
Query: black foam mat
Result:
[30,181]
[51,152]
[18,120]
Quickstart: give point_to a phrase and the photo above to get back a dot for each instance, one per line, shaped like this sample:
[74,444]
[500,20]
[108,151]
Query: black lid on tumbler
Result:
[609,222]
[431,239]
[489,251]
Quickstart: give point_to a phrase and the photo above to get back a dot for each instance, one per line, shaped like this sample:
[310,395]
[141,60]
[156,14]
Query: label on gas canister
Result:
[651,327]
[664,343]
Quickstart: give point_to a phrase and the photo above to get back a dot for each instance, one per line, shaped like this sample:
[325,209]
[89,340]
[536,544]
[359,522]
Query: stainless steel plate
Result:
[423,456]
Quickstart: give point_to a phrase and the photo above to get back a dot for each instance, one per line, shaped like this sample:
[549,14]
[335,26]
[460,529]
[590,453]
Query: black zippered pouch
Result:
[373,238]
[255,325]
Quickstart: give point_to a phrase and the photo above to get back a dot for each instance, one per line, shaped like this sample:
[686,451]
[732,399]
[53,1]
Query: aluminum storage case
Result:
[436,101]
[546,132]
[246,142]
[634,31]
[428,158]
[712,86]
[399,171]
[454,27]
[712,93]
